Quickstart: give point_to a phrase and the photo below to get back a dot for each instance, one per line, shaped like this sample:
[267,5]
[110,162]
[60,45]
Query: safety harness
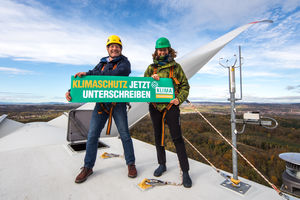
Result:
[107,111]
[171,75]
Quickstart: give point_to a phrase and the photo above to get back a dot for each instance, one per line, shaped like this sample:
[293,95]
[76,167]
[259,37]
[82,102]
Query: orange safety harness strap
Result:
[103,109]
[115,66]
[110,111]
[155,70]
[171,75]
[110,118]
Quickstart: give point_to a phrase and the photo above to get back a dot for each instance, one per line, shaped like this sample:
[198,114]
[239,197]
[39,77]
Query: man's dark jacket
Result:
[123,67]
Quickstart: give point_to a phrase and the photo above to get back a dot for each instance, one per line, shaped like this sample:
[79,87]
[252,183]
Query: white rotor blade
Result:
[191,64]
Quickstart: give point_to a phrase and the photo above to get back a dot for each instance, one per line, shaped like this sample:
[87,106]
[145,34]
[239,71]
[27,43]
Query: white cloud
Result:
[11,70]
[260,74]
[36,35]
[218,13]
[251,94]
[21,97]
[28,97]
[207,92]
[280,99]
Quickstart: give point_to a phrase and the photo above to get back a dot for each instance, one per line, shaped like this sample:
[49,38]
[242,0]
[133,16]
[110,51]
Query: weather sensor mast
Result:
[248,118]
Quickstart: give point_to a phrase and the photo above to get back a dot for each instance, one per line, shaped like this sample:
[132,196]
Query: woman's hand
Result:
[175,101]
[80,74]
[68,96]
[155,76]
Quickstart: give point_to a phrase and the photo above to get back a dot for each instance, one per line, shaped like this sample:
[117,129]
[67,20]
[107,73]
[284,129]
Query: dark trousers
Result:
[173,121]
[97,124]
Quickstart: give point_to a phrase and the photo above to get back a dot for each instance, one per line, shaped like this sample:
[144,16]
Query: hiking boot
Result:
[83,175]
[132,173]
[160,170]
[186,180]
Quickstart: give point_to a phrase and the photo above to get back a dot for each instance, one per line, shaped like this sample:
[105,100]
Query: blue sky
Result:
[43,43]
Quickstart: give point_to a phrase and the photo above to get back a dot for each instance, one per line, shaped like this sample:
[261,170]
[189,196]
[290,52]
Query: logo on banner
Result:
[154,84]
[164,92]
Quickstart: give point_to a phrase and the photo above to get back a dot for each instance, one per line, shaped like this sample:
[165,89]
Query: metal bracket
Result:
[241,188]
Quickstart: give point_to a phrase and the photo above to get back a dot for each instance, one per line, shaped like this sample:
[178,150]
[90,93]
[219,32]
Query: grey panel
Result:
[79,122]
[78,125]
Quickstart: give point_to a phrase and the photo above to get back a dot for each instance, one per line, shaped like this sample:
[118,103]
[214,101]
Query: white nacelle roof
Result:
[36,163]
[32,135]
[48,172]
[8,126]
[60,122]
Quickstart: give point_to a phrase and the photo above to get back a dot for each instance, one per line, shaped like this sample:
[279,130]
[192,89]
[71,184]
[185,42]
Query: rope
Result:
[272,185]
[227,177]
[212,165]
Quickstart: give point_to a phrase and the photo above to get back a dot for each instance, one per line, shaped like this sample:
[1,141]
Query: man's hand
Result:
[68,96]
[175,101]
[80,74]
[155,76]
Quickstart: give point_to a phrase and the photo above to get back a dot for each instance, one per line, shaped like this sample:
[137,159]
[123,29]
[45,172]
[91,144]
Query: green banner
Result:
[121,89]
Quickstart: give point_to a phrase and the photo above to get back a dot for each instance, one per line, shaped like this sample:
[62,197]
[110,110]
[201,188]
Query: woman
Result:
[164,66]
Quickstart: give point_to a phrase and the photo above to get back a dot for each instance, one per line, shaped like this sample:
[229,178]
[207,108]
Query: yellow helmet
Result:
[113,39]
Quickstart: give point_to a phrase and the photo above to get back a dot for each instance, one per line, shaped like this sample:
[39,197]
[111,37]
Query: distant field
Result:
[291,110]
[35,112]
[46,112]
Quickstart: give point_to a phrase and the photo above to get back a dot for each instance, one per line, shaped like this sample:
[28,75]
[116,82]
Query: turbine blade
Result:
[191,64]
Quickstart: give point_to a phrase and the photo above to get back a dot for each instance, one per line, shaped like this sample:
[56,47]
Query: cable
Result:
[243,129]
[272,185]
[227,177]
[270,118]
[212,165]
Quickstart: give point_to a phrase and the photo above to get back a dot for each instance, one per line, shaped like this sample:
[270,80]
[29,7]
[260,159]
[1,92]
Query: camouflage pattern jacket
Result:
[163,72]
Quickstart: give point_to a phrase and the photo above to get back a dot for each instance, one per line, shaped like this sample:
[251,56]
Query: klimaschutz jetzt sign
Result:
[121,89]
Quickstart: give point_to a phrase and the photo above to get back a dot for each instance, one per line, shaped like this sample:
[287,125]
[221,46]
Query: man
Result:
[114,65]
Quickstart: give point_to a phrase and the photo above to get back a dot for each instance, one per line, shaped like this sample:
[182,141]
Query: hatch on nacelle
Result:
[78,126]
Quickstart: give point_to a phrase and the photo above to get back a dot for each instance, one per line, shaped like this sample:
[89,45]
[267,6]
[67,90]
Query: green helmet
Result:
[162,43]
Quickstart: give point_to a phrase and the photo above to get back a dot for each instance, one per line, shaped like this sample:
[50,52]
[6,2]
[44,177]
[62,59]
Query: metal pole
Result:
[240,67]
[233,125]
[234,183]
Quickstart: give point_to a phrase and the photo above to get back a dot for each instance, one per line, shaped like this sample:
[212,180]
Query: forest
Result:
[259,145]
